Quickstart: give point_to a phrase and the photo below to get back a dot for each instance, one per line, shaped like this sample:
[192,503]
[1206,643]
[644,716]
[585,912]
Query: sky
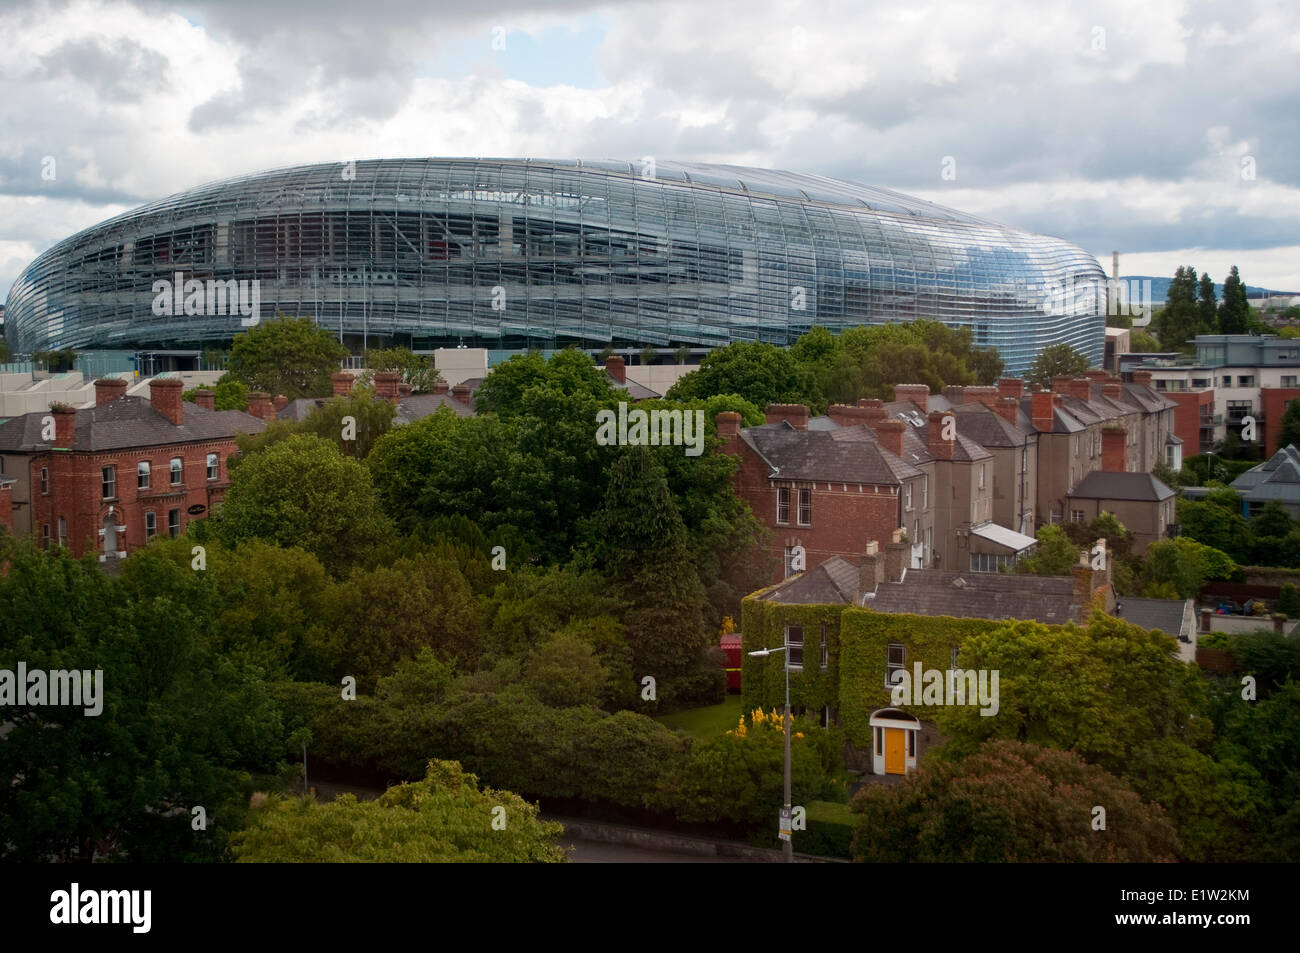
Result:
[1169,129]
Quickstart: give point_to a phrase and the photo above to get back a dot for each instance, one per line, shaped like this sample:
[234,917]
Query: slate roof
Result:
[1062,420]
[979,595]
[1167,615]
[409,409]
[833,582]
[987,427]
[916,439]
[1110,485]
[845,455]
[1277,478]
[130,422]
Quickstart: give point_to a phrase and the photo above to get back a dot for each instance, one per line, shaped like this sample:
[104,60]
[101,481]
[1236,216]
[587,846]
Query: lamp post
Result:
[787,845]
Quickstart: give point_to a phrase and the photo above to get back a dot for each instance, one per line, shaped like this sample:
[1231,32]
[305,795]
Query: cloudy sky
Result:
[1167,129]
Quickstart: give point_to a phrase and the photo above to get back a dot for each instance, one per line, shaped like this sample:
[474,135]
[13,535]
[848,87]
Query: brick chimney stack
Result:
[871,568]
[918,394]
[889,434]
[279,402]
[440,386]
[616,368]
[1096,374]
[955,393]
[847,416]
[165,395]
[108,388]
[460,393]
[1142,377]
[386,385]
[259,405]
[206,399]
[342,383]
[1061,385]
[1008,408]
[1112,390]
[794,414]
[874,407]
[1044,402]
[984,395]
[65,425]
[1114,449]
[1081,388]
[7,505]
[940,448]
[1011,387]
[1092,585]
[728,424]
[896,558]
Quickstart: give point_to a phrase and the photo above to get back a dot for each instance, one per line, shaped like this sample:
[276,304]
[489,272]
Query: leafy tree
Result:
[759,372]
[1055,554]
[1009,802]
[416,369]
[1288,602]
[1217,521]
[56,362]
[1207,305]
[870,360]
[682,354]
[1181,320]
[371,419]
[1142,342]
[1186,564]
[1290,433]
[570,372]
[303,492]
[1271,519]
[1234,313]
[565,672]
[1056,360]
[444,818]
[289,356]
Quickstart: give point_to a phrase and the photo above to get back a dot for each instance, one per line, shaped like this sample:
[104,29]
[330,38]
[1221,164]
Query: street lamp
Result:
[787,846]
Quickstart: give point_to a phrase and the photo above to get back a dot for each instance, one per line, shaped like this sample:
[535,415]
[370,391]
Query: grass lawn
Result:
[708,722]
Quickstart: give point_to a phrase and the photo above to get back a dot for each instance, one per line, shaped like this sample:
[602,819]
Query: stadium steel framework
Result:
[512,253]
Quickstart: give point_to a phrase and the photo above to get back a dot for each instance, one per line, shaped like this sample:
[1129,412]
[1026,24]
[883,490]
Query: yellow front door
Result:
[895,746]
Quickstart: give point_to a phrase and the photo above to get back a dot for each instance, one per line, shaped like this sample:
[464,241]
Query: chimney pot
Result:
[874,407]
[1011,387]
[165,396]
[1142,377]
[65,425]
[794,414]
[1008,408]
[847,416]
[440,386]
[386,385]
[616,368]
[108,388]
[728,424]
[206,399]
[889,434]
[1043,403]
[259,405]
[895,558]
[918,394]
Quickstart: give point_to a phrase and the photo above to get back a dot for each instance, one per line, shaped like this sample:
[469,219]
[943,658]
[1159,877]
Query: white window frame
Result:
[791,645]
[907,497]
[176,467]
[890,665]
[143,475]
[63,531]
[108,482]
[782,505]
[804,493]
[150,524]
[214,466]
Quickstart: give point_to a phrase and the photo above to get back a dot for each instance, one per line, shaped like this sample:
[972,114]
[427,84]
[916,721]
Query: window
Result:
[142,475]
[895,660]
[173,523]
[214,468]
[109,475]
[981,476]
[794,645]
[1288,380]
[826,650]
[45,536]
[805,507]
[45,480]
[150,524]
[1076,516]
[63,531]
[1246,380]
[929,541]
[783,505]
[952,661]
[989,562]
[925,493]
[178,471]
[907,496]
[911,744]
[880,742]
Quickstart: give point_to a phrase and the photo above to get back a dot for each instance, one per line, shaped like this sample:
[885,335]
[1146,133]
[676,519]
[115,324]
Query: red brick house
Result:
[112,476]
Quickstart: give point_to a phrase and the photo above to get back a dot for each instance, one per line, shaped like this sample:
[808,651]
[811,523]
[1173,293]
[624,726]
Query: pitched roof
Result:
[131,422]
[1167,615]
[845,455]
[978,595]
[418,406]
[988,428]
[1277,478]
[833,582]
[1111,485]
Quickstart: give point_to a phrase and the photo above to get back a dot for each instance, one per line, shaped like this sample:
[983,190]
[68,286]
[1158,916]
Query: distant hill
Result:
[1160,288]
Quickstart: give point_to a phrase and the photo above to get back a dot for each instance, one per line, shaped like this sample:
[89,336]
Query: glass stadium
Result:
[514,253]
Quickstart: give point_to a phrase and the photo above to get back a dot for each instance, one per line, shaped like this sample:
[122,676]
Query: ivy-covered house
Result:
[850,627]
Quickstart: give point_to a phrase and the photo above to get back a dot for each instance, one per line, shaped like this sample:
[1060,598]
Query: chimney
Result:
[65,425]
[616,368]
[955,394]
[165,395]
[875,408]
[847,416]
[728,424]
[1036,388]
[1061,385]
[1142,378]
[108,388]
[940,448]
[259,405]
[1011,387]
[895,558]
[342,383]
[440,386]
[1114,449]
[279,402]
[918,394]
[460,393]
[1112,390]
[1058,400]
[1096,374]
[386,385]
[984,395]
[7,506]
[403,389]
[1043,413]
[1092,584]
[206,399]
[794,414]
[1081,388]
[1008,408]
[889,434]
[871,568]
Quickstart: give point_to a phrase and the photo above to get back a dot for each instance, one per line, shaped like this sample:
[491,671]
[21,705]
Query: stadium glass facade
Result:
[508,254]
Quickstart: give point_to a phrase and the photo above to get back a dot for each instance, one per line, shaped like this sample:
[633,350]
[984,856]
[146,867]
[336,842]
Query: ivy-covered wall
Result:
[762,625]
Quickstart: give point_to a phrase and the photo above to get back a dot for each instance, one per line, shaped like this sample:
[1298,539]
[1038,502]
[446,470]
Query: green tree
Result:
[304,492]
[1056,360]
[1180,320]
[1290,433]
[371,419]
[1009,802]
[1207,305]
[1187,564]
[416,369]
[289,356]
[759,372]
[870,360]
[1142,342]
[1288,602]
[565,672]
[444,818]
[1234,313]
[1055,554]
[570,372]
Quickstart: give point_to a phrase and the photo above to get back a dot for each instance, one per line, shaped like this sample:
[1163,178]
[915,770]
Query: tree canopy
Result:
[289,356]
[1056,360]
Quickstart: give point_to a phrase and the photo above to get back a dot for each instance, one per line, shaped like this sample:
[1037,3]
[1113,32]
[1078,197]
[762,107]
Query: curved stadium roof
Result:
[506,253]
